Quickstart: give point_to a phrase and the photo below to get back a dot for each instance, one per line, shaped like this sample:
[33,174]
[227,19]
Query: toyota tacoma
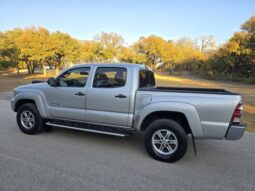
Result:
[121,99]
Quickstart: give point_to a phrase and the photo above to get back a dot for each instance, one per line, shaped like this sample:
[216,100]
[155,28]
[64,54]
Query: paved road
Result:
[70,160]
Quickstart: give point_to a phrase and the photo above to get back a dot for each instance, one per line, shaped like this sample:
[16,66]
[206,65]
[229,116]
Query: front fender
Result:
[36,96]
[187,109]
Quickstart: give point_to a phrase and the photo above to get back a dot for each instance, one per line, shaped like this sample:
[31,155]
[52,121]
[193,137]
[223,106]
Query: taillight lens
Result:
[237,114]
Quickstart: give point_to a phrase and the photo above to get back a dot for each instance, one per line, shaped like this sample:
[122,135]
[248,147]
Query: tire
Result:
[169,147]
[34,118]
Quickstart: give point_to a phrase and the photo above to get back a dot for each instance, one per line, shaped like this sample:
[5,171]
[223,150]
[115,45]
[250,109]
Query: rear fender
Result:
[188,110]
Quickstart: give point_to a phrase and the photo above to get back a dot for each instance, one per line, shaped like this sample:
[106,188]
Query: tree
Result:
[63,49]
[236,58]
[185,47]
[8,53]
[10,49]
[169,56]
[154,49]
[206,44]
[186,42]
[249,26]
[91,51]
[188,55]
[33,45]
[111,45]
[127,55]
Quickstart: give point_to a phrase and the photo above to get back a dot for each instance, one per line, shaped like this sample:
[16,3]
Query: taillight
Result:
[237,114]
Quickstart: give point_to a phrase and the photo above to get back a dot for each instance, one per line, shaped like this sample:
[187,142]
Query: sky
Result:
[170,19]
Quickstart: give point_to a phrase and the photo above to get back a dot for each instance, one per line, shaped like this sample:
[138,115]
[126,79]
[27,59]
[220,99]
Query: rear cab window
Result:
[146,79]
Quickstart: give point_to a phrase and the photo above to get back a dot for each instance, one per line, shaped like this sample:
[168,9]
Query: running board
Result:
[93,130]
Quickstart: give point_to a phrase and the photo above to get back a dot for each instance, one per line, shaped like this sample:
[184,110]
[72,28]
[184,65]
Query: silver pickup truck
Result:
[121,99]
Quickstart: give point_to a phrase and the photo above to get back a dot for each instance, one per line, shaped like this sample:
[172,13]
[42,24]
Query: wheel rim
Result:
[164,142]
[27,119]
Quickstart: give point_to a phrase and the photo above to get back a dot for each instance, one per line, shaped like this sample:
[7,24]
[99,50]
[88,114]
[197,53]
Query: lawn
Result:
[9,80]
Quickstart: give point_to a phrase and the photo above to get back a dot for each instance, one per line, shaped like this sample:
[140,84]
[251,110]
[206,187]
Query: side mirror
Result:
[51,82]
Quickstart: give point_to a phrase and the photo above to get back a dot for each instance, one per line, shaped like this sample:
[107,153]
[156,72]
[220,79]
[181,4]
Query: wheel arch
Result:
[185,114]
[175,116]
[21,102]
[30,97]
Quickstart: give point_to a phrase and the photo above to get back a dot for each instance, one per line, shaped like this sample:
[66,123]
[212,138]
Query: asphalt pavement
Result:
[72,160]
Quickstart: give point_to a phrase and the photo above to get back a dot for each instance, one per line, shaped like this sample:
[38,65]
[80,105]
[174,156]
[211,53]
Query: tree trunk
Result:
[17,68]
[172,69]
[32,69]
[33,66]
[28,67]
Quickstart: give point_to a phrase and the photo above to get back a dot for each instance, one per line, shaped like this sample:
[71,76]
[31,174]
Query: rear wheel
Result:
[166,140]
[29,119]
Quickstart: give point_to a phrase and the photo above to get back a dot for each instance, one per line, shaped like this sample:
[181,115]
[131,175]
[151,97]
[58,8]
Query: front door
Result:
[67,99]
[108,98]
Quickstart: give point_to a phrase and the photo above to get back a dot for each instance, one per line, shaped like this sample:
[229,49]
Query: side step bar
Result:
[100,131]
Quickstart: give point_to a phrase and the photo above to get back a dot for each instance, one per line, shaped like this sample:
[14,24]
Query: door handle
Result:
[80,94]
[120,96]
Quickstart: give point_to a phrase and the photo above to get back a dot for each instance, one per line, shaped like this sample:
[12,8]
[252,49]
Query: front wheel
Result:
[166,140]
[29,119]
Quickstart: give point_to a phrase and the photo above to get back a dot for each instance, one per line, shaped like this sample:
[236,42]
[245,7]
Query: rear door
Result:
[108,97]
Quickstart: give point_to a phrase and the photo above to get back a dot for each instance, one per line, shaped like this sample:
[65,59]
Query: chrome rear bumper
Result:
[235,131]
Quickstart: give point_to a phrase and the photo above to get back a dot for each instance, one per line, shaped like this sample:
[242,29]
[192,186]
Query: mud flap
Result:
[194,145]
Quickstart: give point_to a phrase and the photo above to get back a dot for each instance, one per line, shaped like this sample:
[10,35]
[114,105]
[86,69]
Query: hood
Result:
[37,86]
[33,86]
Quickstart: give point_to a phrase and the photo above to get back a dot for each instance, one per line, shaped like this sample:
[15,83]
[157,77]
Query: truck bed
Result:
[189,90]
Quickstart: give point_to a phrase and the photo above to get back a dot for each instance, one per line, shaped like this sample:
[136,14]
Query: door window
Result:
[110,77]
[76,77]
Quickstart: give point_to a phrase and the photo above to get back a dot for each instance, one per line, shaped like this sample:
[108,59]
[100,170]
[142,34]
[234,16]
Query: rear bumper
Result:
[235,131]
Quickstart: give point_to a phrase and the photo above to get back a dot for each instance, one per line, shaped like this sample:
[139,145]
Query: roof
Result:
[110,65]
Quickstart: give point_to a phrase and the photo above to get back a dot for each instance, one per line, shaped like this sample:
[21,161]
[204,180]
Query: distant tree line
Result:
[35,47]
[234,60]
